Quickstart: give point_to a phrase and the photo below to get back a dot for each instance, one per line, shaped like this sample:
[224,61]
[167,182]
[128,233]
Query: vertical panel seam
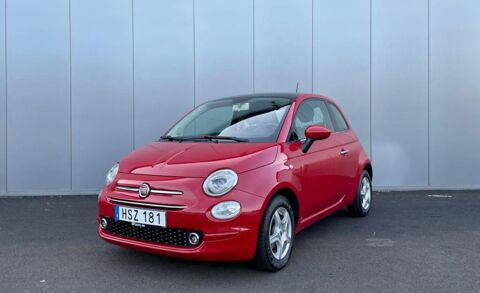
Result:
[70,85]
[253,45]
[428,93]
[371,89]
[194,59]
[313,89]
[6,102]
[133,78]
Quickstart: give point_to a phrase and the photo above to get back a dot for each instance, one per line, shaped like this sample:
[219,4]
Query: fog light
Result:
[193,238]
[103,223]
[226,210]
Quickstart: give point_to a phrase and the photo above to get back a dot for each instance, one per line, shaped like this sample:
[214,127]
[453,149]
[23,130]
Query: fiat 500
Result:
[236,179]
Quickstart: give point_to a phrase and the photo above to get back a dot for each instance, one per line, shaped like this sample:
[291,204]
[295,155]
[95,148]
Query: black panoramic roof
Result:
[290,96]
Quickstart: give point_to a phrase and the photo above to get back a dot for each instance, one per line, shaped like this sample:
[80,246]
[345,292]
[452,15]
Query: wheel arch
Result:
[364,164]
[291,195]
[369,169]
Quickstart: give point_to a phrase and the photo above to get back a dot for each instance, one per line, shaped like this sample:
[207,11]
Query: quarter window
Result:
[339,122]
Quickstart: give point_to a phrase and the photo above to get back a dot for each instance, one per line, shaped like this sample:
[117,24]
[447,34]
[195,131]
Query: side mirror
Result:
[313,133]
[317,132]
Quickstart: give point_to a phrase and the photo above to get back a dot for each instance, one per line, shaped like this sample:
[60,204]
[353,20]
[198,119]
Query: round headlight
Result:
[111,174]
[226,210]
[220,182]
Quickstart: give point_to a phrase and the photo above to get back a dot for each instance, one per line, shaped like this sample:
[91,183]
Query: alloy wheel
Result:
[280,235]
[366,193]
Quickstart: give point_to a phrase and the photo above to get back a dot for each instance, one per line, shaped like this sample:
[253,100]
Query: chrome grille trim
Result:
[154,191]
[126,188]
[163,191]
[145,204]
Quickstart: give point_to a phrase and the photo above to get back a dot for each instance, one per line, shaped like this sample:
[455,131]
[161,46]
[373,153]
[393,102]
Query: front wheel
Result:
[363,200]
[276,235]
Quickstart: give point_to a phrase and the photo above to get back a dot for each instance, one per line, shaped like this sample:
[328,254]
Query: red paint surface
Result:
[321,180]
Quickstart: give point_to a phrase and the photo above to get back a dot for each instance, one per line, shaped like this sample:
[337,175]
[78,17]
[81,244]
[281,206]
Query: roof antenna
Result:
[296,90]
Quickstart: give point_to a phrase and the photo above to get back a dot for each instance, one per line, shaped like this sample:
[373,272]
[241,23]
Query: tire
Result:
[270,257]
[361,205]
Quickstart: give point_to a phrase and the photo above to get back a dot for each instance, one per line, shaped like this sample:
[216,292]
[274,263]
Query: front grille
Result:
[170,236]
[152,191]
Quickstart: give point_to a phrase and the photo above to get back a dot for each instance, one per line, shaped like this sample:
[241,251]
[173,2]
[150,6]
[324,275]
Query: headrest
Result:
[305,114]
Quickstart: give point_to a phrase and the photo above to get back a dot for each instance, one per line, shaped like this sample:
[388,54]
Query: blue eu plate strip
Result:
[116,212]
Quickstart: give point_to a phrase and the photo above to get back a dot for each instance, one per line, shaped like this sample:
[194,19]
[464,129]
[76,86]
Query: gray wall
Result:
[83,82]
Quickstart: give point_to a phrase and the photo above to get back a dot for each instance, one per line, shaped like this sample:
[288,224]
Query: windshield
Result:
[258,119]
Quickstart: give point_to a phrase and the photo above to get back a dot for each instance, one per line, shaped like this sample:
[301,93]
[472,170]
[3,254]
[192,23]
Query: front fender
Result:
[268,180]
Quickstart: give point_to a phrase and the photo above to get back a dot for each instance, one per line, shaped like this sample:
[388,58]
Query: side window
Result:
[339,122]
[310,112]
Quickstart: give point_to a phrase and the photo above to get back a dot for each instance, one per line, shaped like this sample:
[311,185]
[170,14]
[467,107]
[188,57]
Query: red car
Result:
[236,179]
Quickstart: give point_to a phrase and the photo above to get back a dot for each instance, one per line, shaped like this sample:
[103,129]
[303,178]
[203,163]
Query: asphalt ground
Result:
[410,242]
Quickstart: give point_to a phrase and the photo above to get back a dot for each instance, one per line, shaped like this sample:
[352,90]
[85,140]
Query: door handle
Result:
[344,152]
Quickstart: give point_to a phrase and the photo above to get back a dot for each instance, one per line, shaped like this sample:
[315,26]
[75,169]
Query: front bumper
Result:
[233,239]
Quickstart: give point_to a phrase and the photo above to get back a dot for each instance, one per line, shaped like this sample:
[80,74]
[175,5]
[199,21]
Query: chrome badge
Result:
[144,190]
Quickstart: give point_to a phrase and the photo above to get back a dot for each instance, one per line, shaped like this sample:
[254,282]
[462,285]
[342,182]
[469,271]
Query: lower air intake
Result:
[170,236]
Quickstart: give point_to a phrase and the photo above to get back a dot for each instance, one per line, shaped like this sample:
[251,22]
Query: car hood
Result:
[197,159]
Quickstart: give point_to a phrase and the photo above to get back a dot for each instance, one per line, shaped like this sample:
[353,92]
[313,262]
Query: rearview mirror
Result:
[314,132]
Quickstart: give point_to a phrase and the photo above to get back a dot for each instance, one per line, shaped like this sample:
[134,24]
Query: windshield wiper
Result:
[211,137]
[172,138]
[207,137]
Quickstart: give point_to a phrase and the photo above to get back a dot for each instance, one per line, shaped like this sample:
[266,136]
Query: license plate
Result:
[140,216]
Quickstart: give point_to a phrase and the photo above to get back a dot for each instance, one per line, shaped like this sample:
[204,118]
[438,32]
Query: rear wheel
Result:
[276,235]
[362,203]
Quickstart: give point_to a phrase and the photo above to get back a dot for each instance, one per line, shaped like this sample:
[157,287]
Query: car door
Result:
[315,168]
[346,151]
